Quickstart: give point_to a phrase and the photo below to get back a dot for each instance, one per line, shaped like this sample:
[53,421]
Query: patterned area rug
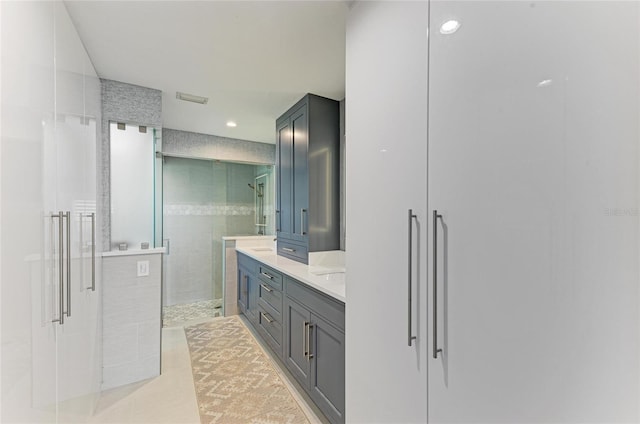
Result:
[235,381]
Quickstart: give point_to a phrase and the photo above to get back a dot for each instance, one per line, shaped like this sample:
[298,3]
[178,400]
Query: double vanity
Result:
[299,311]
[293,291]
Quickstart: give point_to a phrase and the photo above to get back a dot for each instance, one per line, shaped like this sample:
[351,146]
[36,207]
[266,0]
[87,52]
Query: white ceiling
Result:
[252,59]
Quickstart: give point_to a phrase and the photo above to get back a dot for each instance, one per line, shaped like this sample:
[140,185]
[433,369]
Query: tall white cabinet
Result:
[51,370]
[386,177]
[527,265]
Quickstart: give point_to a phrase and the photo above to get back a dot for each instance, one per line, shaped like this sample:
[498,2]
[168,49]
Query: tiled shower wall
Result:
[204,200]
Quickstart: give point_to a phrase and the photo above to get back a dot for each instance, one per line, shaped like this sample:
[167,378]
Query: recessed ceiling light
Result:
[545,83]
[191,98]
[449,27]
[231,124]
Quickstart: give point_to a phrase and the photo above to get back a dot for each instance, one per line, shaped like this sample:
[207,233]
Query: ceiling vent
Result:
[191,98]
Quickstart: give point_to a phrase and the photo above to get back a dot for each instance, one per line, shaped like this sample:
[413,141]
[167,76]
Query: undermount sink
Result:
[262,249]
[333,276]
[330,274]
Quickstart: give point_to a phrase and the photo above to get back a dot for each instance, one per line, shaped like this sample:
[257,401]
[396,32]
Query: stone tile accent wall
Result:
[203,146]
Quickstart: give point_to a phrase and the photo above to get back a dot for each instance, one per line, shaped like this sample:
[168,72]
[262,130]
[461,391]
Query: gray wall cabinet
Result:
[304,327]
[308,178]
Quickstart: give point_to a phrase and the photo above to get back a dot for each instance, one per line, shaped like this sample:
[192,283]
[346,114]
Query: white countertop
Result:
[331,280]
[253,237]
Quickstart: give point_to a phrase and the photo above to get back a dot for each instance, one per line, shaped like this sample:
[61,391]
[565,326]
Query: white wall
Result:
[132,320]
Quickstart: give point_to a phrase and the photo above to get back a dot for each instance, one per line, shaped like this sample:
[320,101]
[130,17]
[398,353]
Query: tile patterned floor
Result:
[167,399]
[178,315]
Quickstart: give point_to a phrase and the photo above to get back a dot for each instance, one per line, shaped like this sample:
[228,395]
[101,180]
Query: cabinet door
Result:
[90,234]
[327,368]
[386,153]
[27,336]
[284,191]
[253,284]
[297,320]
[300,143]
[243,290]
[533,144]
[75,148]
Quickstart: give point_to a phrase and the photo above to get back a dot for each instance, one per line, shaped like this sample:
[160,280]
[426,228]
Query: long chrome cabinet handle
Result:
[305,340]
[436,216]
[266,288]
[302,231]
[410,337]
[309,354]
[59,216]
[68,219]
[278,226]
[266,317]
[287,249]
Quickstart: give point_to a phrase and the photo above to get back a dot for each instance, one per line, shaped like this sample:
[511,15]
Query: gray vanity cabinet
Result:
[308,192]
[243,289]
[305,329]
[297,321]
[327,368]
[252,307]
[315,346]
[248,287]
[269,312]
[248,294]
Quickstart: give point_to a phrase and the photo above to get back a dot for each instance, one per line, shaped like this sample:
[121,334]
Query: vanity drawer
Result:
[272,297]
[271,328]
[293,251]
[269,276]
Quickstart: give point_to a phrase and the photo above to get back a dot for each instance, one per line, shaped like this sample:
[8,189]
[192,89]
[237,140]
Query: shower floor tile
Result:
[178,315]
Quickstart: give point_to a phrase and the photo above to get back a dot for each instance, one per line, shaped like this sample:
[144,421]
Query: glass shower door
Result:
[204,200]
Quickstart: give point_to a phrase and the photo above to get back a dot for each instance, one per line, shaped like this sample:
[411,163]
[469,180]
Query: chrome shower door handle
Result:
[436,216]
[93,249]
[410,337]
[59,216]
[68,219]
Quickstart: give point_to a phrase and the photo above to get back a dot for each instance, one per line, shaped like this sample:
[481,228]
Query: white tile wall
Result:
[132,320]
[203,201]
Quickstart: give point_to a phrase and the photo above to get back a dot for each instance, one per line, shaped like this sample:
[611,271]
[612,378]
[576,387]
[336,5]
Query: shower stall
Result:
[203,201]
